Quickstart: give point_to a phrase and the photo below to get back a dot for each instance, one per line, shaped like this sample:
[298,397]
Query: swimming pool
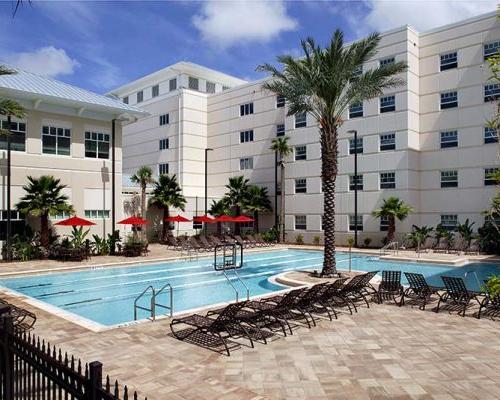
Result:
[107,295]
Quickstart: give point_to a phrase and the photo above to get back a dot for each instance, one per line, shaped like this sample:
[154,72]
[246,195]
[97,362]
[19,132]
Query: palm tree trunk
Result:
[391,229]
[282,203]
[329,152]
[256,222]
[44,230]
[166,224]
[143,210]
[219,227]
[237,225]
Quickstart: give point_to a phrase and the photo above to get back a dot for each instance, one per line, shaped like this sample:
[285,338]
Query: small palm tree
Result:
[324,82]
[393,208]
[466,231]
[167,193]
[236,196]
[44,198]
[218,208]
[143,177]
[257,201]
[281,147]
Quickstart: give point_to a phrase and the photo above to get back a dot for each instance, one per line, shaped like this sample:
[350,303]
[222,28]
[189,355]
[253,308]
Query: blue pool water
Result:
[107,295]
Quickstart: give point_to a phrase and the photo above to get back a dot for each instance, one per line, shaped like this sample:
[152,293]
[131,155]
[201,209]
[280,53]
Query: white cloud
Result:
[227,23]
[421,14]
[47,61]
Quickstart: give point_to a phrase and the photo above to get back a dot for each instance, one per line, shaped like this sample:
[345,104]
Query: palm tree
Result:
[167,193]
[257,201]
[323,83]
[44,198]
[393,208]
[281,147]
[236,196]
[218,208]
[143,177]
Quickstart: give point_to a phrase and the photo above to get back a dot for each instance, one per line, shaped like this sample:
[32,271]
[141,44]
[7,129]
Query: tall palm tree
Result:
[236,196]
[281,147]
[393,208]
[257,201]
[218,208]
[324,82]
[143,177]
[44,198]
[167,193]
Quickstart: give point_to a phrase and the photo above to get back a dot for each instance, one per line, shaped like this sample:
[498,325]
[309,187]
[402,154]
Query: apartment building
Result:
[67,133]
[425,142]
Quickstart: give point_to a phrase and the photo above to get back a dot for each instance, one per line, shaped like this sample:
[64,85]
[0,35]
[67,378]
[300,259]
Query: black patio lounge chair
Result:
[211,332]
[254,242]
[419,290]
[428,244]
[206,244]
[258,237]
[490,305]
[442,246]
[330,297]
[390,287]
[241,242]
[22,319]
[473,247]
[457,295]
[216,241]
[458,245]
[357,289]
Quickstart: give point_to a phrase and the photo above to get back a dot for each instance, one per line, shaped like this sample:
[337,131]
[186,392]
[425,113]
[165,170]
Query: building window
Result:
[172,84]
[163,169]
[246,136]
[449,139]
[97,214]
[387,61]
[97,145]
[449,100]
[300,222]
[449,179]
[490,49]
[246,109]
[449,221]
[300,153]
[61,215]
[140,96]
[353,222]
[300,120]
[448,61]
[164,144]
[280,101]
[125,99]
[56,140]
[246,163]
[356,110]
[210,87]
[356,147]
[300,185]
[155,91]
[193,83]
[388,142]
[491,92]
[355,181]
[490,135]
[164,119]
[387,180]
[197,225]
[387,104]
[384,223]
[17,137]
[224,88]
[280,130]
[489,178]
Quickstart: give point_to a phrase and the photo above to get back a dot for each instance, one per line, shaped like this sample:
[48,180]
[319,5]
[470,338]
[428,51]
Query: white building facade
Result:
[425,143]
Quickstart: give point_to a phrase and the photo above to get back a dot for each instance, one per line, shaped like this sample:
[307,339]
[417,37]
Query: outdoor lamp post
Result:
[355,133]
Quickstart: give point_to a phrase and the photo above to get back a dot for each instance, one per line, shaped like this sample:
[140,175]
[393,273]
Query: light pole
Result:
[276,189]
[206,184]
[355,132]
[9,162]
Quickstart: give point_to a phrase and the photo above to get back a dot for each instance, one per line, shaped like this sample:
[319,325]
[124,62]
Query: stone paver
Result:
[384,352]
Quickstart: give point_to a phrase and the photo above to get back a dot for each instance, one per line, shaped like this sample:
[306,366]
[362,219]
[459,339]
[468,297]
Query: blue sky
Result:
[100,45]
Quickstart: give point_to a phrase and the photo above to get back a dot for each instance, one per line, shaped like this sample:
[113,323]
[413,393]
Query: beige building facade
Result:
[425,143]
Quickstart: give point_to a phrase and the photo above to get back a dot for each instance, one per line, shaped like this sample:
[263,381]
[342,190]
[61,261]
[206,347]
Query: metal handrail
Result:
[157,293]
[229,280]
[388,246]
[152,309]
[243,283]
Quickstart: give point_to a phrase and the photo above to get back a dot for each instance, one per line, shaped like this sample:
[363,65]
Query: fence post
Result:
[95,380]
[6,353]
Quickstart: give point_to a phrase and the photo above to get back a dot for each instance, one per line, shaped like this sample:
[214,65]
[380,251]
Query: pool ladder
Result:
[154,304]
[234,288]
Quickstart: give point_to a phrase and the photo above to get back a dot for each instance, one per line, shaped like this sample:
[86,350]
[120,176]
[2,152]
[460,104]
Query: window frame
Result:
[356,110]
[448,181]
[246,136]
[297,155]
[246,163]
[210,87]
[353,223]
[489,181]
[17,133]
[448,143]
[164,144]
[488,46]
[387,61]
[488,137]
[300,185]
[357,148]
[64,129]
[140,96]
[125,100]
[164,119]
[447,225]
[385,146]
[387,182]
[280,132]
[97,140]
[448,104]
[194,83]
[155,91]
[300,120]
[163,166]
[384,223]
[172,84]
[246,109]
[353,182]
[448,61]
[491,92]
[300,226]
[387,107]
[280,101]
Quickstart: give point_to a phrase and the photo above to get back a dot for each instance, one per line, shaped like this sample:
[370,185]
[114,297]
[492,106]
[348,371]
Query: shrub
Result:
[271,235]
[489,238]
[367,242]
[316,240]
[299,239]
[100,246]
[350,241]
[492,286]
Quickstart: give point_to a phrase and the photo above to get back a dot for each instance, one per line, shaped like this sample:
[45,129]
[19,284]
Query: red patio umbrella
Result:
[243,218]
[177,218]
[75,221]
[225,218]
[133,221]
[204,218]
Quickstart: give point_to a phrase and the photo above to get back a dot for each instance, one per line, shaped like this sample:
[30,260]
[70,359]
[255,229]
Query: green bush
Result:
[100,246]
[272,235]
[492,286]
[350,241]
[299,239]
[316,240]
[367,242]
[489,238]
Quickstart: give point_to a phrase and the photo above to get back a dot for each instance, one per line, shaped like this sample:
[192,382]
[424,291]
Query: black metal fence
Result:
[31,369]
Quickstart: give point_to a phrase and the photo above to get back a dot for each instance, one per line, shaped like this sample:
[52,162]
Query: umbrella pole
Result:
[178,229]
